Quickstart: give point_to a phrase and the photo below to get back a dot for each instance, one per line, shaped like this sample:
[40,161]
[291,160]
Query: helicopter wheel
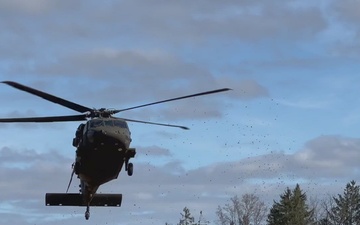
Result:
[87,213]
[130,169]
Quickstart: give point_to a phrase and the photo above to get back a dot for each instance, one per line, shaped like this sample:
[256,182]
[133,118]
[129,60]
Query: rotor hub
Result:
[102,113]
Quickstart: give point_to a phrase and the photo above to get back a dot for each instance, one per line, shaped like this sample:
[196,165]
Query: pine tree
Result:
[346,209]
[291,210]
[186,217]
[280,211]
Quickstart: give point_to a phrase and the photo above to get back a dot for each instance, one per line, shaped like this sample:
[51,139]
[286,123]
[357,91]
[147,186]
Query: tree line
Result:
[293,208]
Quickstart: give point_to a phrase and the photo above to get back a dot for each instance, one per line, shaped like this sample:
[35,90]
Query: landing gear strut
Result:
[129,167]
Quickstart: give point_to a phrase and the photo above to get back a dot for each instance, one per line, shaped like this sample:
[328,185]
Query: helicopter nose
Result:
[99,135]
[96,135]
[109,138]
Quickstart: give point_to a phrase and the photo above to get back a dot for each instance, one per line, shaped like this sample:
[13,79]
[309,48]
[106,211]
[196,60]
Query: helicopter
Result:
[102,145]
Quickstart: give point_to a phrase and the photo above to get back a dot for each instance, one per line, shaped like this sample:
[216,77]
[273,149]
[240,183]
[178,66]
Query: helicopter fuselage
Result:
[103,147]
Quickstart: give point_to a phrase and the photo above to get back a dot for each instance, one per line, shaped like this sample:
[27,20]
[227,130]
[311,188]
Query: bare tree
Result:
[248,210]
[327,217]
[319,208]
[202,220]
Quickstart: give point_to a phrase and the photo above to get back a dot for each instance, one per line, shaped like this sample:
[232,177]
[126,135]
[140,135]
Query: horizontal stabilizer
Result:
[59,199]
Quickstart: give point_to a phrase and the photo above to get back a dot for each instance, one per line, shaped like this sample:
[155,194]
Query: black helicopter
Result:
[102,148]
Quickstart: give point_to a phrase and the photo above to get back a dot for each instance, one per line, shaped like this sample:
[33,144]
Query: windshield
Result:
[108,123]
[116,123]
[120,123]
[96,123]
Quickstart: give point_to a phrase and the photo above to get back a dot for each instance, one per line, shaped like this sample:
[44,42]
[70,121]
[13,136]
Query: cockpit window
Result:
[96,123]
[120,123]
[108,123]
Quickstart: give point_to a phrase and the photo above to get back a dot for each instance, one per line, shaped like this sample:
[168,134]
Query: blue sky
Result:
[292,116]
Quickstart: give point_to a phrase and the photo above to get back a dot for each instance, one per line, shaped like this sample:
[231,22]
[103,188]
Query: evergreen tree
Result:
[346,209]
[291,210]
[186,217]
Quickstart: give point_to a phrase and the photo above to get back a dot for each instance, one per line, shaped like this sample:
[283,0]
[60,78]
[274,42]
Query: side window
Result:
[80,130]
[85,127]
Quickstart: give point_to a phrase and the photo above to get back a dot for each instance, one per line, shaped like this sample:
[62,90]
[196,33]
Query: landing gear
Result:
[129,167]
[87,213]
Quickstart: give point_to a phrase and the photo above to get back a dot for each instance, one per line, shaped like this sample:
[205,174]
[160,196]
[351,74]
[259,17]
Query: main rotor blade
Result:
[49,97]
[152,123]
[44,119]
[174,99]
